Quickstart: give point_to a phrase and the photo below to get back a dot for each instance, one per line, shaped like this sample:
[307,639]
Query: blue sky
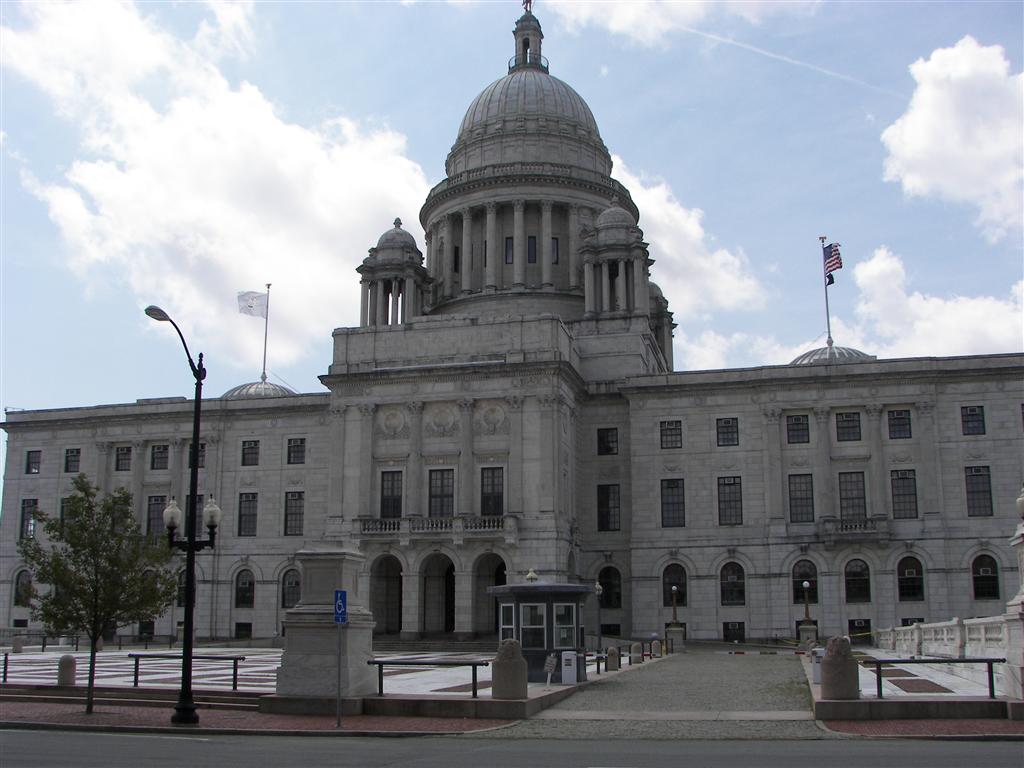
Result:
[176,153]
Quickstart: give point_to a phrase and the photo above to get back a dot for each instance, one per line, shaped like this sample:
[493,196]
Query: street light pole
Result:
[807,601]
[185,710]
[599,590]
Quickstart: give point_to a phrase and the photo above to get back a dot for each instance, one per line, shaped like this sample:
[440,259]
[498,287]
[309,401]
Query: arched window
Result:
[858,582]
[805,570]
[245,589]
[985,575]
[673,576]
[180,599]
[23,589]
[291,589]
[611,586]
[910,579]
[734,588]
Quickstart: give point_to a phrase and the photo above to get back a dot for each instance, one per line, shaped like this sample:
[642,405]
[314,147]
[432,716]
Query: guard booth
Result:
[546,619]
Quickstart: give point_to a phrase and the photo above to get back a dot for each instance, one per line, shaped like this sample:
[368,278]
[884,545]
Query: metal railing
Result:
[137,657]
[381,663]
[988,662]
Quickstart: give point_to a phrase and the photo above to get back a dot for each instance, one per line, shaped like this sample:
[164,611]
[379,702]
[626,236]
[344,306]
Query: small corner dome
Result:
[832,355]
[256,389]
[655,290]
[615,216]
[396,237]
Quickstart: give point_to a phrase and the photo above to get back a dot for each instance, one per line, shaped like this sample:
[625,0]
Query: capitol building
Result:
[509,402]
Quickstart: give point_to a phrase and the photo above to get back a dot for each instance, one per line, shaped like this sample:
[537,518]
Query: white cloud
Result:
[962,136]
[187,189]
[911,323]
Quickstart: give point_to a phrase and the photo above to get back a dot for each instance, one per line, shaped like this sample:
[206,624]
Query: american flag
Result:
[832,259]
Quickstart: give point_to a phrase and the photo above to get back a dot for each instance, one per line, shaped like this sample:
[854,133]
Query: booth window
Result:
[531,619]
[565,625]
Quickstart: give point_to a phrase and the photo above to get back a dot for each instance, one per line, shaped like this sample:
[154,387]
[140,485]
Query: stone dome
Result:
[395,247]
[615,216]
[832,355]
[396,237]
[256,389]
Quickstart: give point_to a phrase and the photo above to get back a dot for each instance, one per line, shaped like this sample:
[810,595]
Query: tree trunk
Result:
[92,674]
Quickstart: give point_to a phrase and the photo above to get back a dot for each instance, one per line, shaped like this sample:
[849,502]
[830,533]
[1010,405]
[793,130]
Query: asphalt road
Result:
[61,749]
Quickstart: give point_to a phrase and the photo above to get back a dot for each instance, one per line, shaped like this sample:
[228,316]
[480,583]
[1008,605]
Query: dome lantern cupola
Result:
[528,37]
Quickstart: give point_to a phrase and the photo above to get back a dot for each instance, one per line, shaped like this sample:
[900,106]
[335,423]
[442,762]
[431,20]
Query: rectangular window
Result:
[972,419]
[508,250]
[243,630]
[565,625]
[608,511]
[508,619]
[390,495]
[899,425]
[847,427]
[852,504]
[72,459]
[123,458]
[978,481]
[671,434]
[28,518]
[442,493]
[202,456]
[607,441]
[455,259]
[65,510]
[554,250]
[250,453]
[155,516]
[294,510]
[673,505]
[904,494]
[532,624]
[798,428]
[248,503]
[531,250]
[296,450]
[492,491]
[728,431]
[801,498]
[159,456]
[33,462]
[730,501]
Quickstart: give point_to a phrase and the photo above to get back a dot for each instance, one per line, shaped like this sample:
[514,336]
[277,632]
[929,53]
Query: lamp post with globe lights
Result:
[598,590]
[185,709]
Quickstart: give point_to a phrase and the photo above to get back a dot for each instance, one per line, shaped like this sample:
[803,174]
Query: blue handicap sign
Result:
[340,606]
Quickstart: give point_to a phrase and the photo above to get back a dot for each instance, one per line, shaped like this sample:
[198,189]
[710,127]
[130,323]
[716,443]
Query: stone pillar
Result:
[879,480]
[178,465]
[463,605]
[494,253]
[515,453]
[574,256]
[930,466]
[519,244]
[309,662]
[466,474]
[606,289]
[620,287]
[824,493]
[641,297]
[412,614]
[428,249]
[545,245]
[103,465]
[508,672]
[395,290]
[447,254]
[1013,670]
[773,471]
[840,677]
[465,266]
[588,289]
[414,471]
[66,671]
[382,304]
[410,298]
[366,474]
[333,525]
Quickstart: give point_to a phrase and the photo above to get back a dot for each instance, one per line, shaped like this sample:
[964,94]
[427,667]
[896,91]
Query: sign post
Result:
[340,618]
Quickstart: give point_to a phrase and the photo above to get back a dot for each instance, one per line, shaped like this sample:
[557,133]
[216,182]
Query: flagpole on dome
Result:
[266,325]
[828,316]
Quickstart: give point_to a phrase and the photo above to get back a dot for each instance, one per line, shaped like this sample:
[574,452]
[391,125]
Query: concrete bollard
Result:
[636,653]
[655,649]
[840,675]
[17,644]
[67,671]
[612,664]
[508,672]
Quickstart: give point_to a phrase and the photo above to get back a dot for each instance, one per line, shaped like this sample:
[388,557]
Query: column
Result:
[366,474]
[466,464]
[393,287]
[620,287]
[641,297]
[824,483]
[463,604]
[773,471]
[412,615]
[519,244]
[428,243]
[414,470]
[139,459]
[410,300]
[467,248]
[588,288]
[545,245]
[103,465]
[515,453]
[178,465]
[879,480]
[574,256]
[447,254]
[333,525]
[495,253]
[606,288]
[382,304]
[363,303]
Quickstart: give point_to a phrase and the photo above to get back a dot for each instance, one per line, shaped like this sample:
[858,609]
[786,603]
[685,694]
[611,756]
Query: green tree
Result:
[102,571]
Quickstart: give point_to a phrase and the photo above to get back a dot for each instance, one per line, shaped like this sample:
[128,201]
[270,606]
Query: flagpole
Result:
[266,324]
[828,316]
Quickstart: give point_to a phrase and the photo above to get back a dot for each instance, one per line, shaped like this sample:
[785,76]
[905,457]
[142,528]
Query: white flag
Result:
[252,303]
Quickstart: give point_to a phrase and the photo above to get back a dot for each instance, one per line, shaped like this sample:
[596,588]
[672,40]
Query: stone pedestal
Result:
[309,664]
[508,672]
[636,654]
[66,671]
[676,636]
[840,676]
[808,635]
[612,663]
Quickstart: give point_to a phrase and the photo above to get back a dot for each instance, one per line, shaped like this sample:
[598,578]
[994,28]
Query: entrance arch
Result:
[386,595]
[489,572]
[438,594]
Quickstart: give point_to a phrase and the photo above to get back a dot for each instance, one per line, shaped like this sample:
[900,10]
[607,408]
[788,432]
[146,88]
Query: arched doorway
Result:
[386,595]
[490,572]
[438,595]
